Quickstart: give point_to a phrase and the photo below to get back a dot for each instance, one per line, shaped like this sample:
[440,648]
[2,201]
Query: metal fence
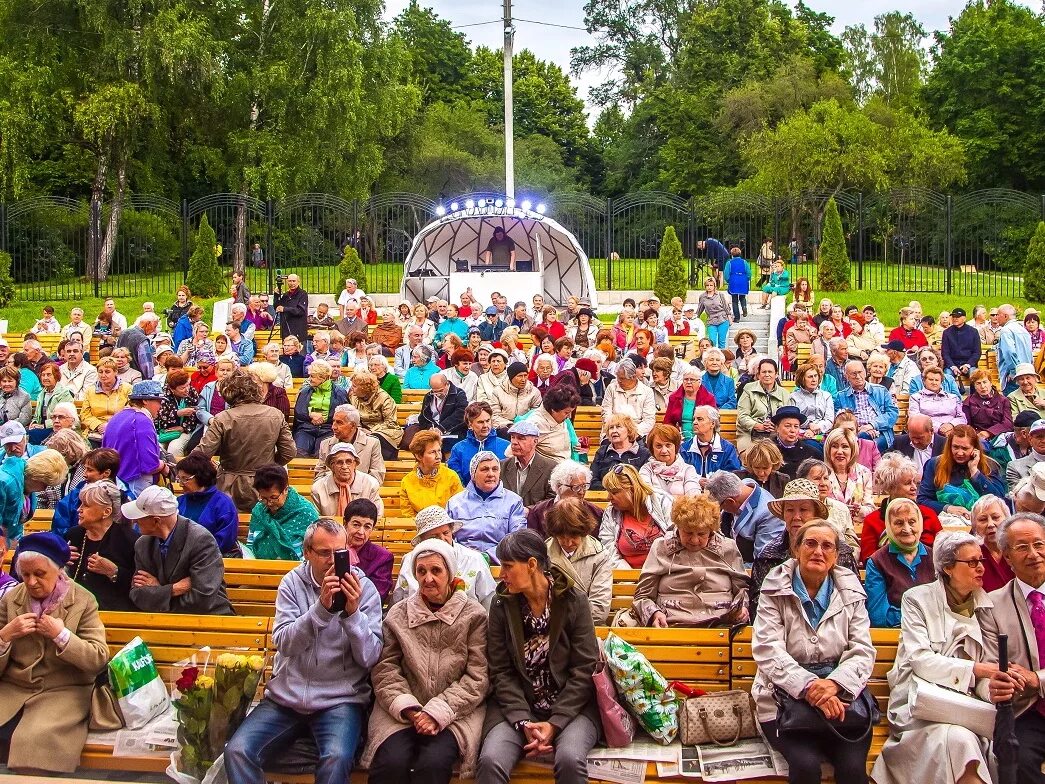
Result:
[970,244]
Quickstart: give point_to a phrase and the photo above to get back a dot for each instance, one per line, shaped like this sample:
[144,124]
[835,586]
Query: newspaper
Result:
[642,748]
[747,759]
[158,738]
[618,771]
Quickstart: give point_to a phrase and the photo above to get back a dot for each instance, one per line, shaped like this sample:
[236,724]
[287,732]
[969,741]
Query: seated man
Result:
[177,563]
[875,409]
[788,421]
[919,443]
[755,527]
[1021,468]
[442,409]
[525,471]
[319,682]
[346,428]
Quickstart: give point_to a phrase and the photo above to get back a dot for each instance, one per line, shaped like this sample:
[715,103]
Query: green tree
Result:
[205,278]
[890,62]
[670,279]
[1034,270]
[7,282]
[833,266]
[440,58]
[352,267]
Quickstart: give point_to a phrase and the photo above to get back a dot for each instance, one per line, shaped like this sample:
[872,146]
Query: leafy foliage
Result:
[833,267]
[889,63]
[671,275]
[352,267]
[1034,269]
[7,283]
[205,278]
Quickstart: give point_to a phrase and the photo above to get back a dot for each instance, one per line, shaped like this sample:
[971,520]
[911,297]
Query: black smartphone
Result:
[342,565]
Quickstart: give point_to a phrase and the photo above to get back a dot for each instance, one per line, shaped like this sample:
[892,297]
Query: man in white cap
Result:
[15,442]
[1021,468]
[177,563]
[525,471]
[1025,397]
[343,483]
[1029,493]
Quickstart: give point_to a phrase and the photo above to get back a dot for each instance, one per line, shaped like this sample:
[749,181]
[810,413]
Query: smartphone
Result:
[342,565]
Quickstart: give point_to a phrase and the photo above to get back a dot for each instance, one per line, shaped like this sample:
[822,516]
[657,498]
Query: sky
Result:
[554,43]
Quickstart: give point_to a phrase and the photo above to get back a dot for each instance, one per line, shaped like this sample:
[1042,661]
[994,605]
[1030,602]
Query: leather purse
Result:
[721,717]
[105,715]
[797,715]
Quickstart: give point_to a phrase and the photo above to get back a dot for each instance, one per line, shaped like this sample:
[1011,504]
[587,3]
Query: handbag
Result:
[617,724]
[797,715]
[930,702]
[722,718]
[105,715]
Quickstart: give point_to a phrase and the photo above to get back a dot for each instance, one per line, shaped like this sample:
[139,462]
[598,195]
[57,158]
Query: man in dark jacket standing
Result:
[138,341]
[292,307]
[961,345]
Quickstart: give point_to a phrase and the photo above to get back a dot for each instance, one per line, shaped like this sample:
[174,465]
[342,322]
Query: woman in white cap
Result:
[473,571]
[495,377]
[431,681]
[487,510]
[1026,396]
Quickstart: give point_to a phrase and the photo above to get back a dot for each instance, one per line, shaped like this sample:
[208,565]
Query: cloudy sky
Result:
[554,43]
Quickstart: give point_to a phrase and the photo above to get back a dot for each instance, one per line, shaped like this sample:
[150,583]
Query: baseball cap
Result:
[524,428]
[894,345]
[491,311]
[12,433]
[343,446]
[1026,418]
[153,501]
[958,312]
[4,343]
[1037,426]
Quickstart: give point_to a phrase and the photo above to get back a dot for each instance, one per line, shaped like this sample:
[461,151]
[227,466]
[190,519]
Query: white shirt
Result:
[922,456]
[119,320]
[344,297]
[80,380]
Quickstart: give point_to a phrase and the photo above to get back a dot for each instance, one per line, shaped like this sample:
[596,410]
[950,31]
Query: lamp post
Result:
[509,142]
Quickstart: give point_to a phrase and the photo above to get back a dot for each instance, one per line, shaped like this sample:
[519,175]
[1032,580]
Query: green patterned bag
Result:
[137,685]
[643,689]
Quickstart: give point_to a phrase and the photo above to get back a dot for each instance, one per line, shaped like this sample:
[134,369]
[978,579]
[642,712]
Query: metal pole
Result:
[270,262]
[609,244]
[185,228]
[950,258]
[95,244]
[509,124]
[860,241]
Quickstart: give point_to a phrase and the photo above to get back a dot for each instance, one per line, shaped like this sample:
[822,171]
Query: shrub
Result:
[352,267]
[1034,268]
[205,278]
[833,268]
[670,280]
[7,283]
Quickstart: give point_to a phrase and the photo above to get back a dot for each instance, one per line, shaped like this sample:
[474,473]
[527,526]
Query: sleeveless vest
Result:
[131,339]
[898,577]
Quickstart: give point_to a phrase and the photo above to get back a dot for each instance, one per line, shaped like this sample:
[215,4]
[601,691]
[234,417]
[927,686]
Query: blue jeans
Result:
[718,334]
[271,728]
[739,301]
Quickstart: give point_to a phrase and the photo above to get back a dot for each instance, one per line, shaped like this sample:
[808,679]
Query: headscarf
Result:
[905,549]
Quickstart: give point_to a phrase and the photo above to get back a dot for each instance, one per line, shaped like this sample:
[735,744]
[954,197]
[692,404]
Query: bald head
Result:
[920,429]
[439,384]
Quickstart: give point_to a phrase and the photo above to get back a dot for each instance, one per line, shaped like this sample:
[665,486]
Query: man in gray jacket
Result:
[323,658]
[177,564]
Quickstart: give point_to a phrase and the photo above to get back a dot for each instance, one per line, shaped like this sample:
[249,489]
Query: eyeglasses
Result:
[972,562]
[326,555]
[1023,549]
[580,488]
[813,544]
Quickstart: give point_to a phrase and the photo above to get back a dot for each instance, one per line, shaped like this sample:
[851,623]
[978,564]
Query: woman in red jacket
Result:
[898,477]
[684,400]
[908,332]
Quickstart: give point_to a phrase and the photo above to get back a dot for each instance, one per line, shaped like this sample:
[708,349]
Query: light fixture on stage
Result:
[498,203]
[527,204]
[469,204]
[440,210]
[541,209]
[511,204]
[454,206]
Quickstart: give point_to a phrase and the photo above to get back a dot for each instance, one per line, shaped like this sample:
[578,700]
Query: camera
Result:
[280,277]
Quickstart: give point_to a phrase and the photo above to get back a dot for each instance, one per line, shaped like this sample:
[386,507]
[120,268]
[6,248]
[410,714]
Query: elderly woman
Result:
[270,353]
[877,369]
[622,445]
[745,343]
[177,417]
[569,479]
[542,651]
[944,408]
[838,514]
[245,436]
[495,377]
[486,509]
[860,341]
[71,446]
[377,412]
[388,333]
[954,481]
[211,402]
[801,333]
[694,576]
[824,334]
[759,401]
[898,565]
[343,483]
[189,349]
[52,648]
[431,682]
[666,471]
[582,557]
[515,398]
[102,402]
[812,642]
[272,394]
[292,356]
[817,405]
[473,571]
[431,482]
[717,381]
[684,401]
[634,518]
[386,380]
[102,547]
[987,514]
[557,438]
[628,395]
[762,463]
[126,372]
[895,476]
[202,502]
[314,408]
[50,396]
[132,434]
[929,358]
[940,642]
[422,368]
[15,404]
[850,482]
[281,517]
[986,409]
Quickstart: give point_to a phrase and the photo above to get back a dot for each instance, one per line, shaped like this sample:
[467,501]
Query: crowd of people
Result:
[817,522]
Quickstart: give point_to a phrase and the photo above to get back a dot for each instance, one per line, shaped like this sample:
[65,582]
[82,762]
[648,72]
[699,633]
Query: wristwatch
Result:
[520,726]
[115,574]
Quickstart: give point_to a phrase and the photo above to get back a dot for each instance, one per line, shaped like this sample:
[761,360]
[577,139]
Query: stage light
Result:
[527,204]
[498,203]
[541,209]
[454,206]
[469,204]
[511,204]
[440,210]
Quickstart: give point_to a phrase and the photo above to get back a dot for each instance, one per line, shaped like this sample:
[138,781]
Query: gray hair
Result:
[565,471]
[853,363]
[69,444]
[147,317]
[627,369]
[103,493]
[985,502]
[69,409]
[714,352]
[424,350]
[522,545]
[710,412]
[239,307]
[891,470]
[350,412]
[723,484]
[1020,517]
[835,342]
[549,358]
[946,547]
[328,524]
[692,370]
[32,344]
[1008,310]
[593,353]
[32,555]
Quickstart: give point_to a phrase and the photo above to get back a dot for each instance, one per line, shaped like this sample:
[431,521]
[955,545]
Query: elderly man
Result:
[76,374]
[346,429]
[443,409]
[137,340]
[902,369]
[1025,396]
[875,410]
[177,563]
[1020,469]
[754,525]
[238,317]
[343,483]
[706,451]
[34,353]
[486,510]
[320,678]
[526,471]
[258,316]
[788,422]
[117,318]
[1019,611]
[835,364]
[1017,443]
[15,441]
[77,326]
[627,396]
[491,327]
[404,354]
[544,372]
[350,293]
[292,307]
[351,322]
[1013,347]
[919,443]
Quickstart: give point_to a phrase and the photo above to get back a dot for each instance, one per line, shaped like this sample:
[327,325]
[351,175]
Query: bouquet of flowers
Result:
[209,709]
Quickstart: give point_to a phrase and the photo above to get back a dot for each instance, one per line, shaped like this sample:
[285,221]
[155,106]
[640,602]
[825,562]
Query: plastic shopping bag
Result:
[137,685]
[643,689]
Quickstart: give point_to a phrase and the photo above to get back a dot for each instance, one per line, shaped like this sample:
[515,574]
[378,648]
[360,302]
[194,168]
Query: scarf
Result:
[42,607]
[667,472]
[955,604]
[279,536]
[344,498]
[905,549]
[320,400]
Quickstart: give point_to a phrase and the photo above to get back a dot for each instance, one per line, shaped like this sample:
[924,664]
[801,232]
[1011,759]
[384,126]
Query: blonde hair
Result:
[842,434]
[763,454]
[625,477]
[263,372]
[47,468]
[696,514]
[621,419]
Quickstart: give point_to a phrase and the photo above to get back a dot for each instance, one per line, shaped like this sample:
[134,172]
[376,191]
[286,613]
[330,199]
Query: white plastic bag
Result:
[215,774]
[141,694]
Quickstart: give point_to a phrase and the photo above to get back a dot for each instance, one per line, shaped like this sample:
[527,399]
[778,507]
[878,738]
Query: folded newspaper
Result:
[158,738]
[746,759]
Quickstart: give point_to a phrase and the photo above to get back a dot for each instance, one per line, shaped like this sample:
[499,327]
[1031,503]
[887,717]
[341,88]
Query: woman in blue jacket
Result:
[738,281]
[202,502]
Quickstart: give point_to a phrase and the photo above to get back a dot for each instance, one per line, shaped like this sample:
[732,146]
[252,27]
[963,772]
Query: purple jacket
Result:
[993,415]
[132,433]
[376,563]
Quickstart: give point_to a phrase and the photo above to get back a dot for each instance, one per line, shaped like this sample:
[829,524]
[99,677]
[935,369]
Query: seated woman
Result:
[898,565]
[694,576]
[102,547]
[580,555]
[15,403]
[486,509]
[377,412]
[292,356]
[270,353]
[666,472]
[556,437]
[986,409]
[940,642]
[177,418]
[622,447]
[72,446]
[431,483]
[280,517]
[929,358]
[473,572]
[809,597]
[314,408]
[431,681]
[759,401]
[779,283]
[817,405]
[987,514]
[818,472]
[762,463]
[944,408]
[716,378]
[954,481]
[634,519]
[569,479]
[386,380]
[53,647]
[51,394]
[850,482]
[683,402]
[202,502]
[544,623]
[895,477]
[421,369]
[361,517]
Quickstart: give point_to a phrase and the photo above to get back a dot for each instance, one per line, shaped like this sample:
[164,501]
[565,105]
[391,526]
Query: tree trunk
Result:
[240,234]
[94,241]
[112,228]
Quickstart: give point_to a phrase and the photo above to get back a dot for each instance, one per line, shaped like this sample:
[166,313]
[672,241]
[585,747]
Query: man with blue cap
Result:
[492,327]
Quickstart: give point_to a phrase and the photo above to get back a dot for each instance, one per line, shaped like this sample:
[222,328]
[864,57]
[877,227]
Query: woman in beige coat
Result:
[431,682]
[694,576]
[571,546]
[377,412]
[52,647]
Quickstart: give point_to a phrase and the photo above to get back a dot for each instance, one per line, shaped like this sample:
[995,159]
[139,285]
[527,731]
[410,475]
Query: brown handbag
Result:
[721,717]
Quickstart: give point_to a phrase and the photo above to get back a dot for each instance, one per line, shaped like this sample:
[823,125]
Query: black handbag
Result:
[797,715]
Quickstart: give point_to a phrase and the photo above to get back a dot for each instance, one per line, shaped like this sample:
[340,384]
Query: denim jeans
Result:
[739,301]
[271,728]
[718,334]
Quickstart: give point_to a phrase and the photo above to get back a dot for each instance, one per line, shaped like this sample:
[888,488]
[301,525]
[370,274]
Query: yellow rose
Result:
[204,682]
[227,660]
[256,662]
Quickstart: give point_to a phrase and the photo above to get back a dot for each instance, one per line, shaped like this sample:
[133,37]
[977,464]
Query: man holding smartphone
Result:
[323,659]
